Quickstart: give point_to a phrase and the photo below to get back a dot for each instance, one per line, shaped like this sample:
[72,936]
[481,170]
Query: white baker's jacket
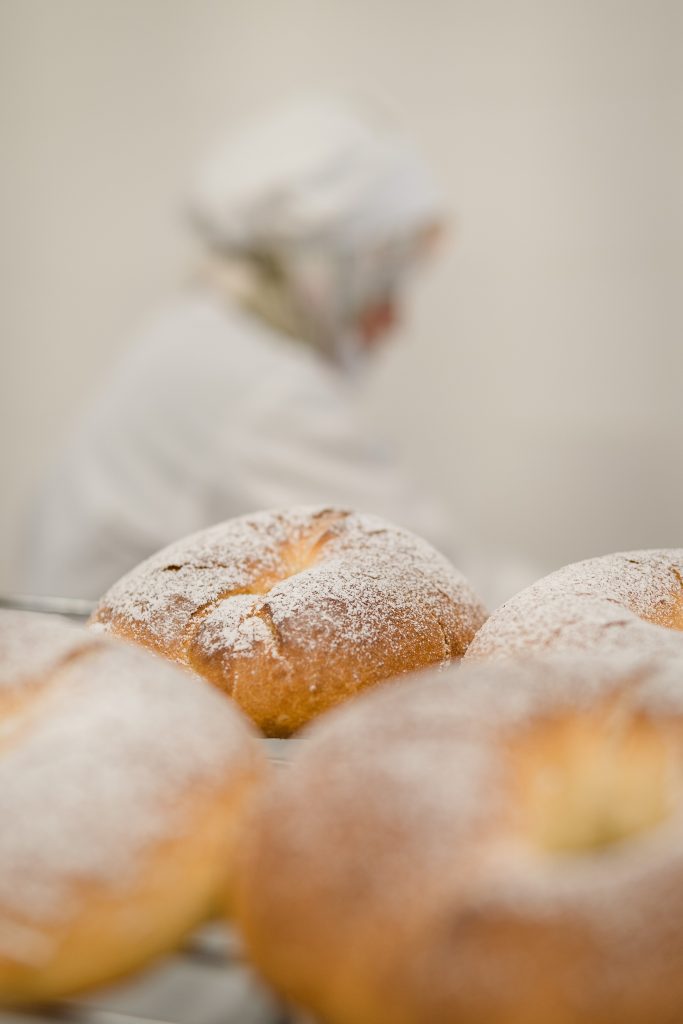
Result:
[211,415]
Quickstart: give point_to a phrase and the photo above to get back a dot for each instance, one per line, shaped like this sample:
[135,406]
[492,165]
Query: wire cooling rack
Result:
[206,982]
[67,607]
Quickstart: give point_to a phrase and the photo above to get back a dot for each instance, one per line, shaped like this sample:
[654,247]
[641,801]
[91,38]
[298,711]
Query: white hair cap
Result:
[313,172]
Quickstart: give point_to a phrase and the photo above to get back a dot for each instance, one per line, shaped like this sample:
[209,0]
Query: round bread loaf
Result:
[292,612]
[627,601]
[122,784]
[498,844]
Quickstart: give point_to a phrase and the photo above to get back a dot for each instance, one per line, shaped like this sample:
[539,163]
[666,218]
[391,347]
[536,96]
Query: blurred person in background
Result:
[239,395]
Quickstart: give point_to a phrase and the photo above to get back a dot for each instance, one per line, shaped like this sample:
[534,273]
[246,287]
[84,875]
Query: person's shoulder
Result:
[188,335]
[183,318]
[206,343]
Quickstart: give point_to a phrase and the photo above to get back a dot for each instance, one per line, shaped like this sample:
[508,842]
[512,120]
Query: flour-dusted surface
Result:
[632,599]
[97,764]
[426,760]
[32,645]
[399,819]
[293,611]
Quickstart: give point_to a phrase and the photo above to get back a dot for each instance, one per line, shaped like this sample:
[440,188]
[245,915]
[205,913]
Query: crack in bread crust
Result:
[340,601]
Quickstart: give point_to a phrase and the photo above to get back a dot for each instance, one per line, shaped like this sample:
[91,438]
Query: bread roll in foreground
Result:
[630,601]
[292,612]
[490,845]
[122,784]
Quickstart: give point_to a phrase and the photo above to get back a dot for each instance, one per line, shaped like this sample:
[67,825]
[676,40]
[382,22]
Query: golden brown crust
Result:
[123,784]
[178,886]
[398,871]
[293,612]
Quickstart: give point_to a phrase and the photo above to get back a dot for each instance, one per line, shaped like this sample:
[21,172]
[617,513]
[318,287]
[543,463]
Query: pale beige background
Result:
[539,387]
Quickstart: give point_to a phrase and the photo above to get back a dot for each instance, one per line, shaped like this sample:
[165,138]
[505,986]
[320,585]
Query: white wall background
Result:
[540,393]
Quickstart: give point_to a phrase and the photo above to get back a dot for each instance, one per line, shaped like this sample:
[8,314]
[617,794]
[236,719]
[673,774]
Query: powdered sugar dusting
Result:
[603,604]
[31,646]
[296,582]
[97,766]
[400,809]
[163,593]
[235,625]
[370,788]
